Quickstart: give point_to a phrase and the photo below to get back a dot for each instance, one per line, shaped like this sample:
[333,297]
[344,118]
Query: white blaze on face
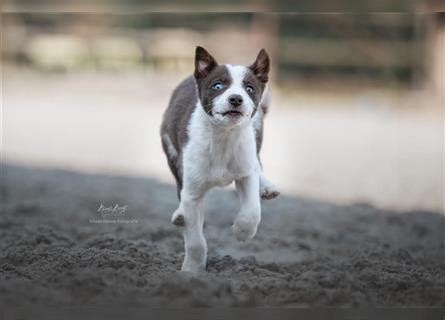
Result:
[221,103]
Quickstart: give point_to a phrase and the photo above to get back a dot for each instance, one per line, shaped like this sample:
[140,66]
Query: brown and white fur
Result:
[211,134]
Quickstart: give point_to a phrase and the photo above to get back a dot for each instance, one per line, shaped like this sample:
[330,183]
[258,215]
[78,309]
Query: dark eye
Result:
[250,89]
[218,85]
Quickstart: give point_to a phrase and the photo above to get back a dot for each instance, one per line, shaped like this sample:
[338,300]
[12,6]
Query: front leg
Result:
[190,217]
[249,216]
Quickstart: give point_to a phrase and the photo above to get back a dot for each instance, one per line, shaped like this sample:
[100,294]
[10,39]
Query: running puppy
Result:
[211,134]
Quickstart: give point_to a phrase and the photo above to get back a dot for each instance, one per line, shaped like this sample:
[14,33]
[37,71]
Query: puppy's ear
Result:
[204,63]
[260,67]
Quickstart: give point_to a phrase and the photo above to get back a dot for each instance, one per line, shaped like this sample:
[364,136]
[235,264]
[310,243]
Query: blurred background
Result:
[357,99]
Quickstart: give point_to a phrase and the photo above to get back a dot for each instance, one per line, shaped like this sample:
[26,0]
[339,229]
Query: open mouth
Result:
[233,113]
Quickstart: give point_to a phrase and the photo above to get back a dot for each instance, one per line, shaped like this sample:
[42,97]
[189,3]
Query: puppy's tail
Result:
[265,100]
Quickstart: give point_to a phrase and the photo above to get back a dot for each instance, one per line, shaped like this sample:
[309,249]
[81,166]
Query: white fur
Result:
[221,103]
[170,147]
[218,153]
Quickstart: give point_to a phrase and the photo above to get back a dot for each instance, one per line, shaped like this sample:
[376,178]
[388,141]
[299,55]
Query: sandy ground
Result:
[360,221]
[53,251]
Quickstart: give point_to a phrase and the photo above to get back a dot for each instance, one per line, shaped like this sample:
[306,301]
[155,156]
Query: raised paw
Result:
[178,219]
[245,228]
[269,192]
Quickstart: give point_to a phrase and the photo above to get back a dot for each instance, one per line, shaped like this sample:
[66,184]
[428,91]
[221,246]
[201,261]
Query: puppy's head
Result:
[230,94]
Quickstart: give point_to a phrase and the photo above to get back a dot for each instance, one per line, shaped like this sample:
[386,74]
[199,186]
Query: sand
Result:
[55,252]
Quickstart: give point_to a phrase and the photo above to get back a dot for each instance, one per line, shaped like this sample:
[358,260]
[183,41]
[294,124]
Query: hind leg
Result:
[267,189]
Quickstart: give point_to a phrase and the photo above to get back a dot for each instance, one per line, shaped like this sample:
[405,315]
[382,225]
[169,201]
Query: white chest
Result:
[218,157]
[229,159]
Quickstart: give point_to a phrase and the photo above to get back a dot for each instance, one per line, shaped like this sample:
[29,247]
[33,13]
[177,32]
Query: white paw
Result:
[245,228]
[269,191]
[178,219]
[193,266]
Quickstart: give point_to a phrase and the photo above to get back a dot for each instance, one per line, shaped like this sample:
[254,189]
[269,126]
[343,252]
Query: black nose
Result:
[235,100]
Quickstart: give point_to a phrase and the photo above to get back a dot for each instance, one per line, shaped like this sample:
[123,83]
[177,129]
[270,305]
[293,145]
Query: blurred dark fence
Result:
[373,46]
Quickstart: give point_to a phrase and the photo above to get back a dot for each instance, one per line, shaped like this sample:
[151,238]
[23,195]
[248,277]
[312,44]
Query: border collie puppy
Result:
[211,134]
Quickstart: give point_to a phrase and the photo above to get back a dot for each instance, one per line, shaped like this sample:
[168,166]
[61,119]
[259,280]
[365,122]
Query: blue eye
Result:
[250,89]
[218,85]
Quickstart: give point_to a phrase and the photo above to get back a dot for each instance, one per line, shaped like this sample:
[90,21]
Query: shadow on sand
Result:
[58,249]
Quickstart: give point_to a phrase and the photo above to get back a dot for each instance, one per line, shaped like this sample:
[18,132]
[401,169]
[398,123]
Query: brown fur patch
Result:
[206,93]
